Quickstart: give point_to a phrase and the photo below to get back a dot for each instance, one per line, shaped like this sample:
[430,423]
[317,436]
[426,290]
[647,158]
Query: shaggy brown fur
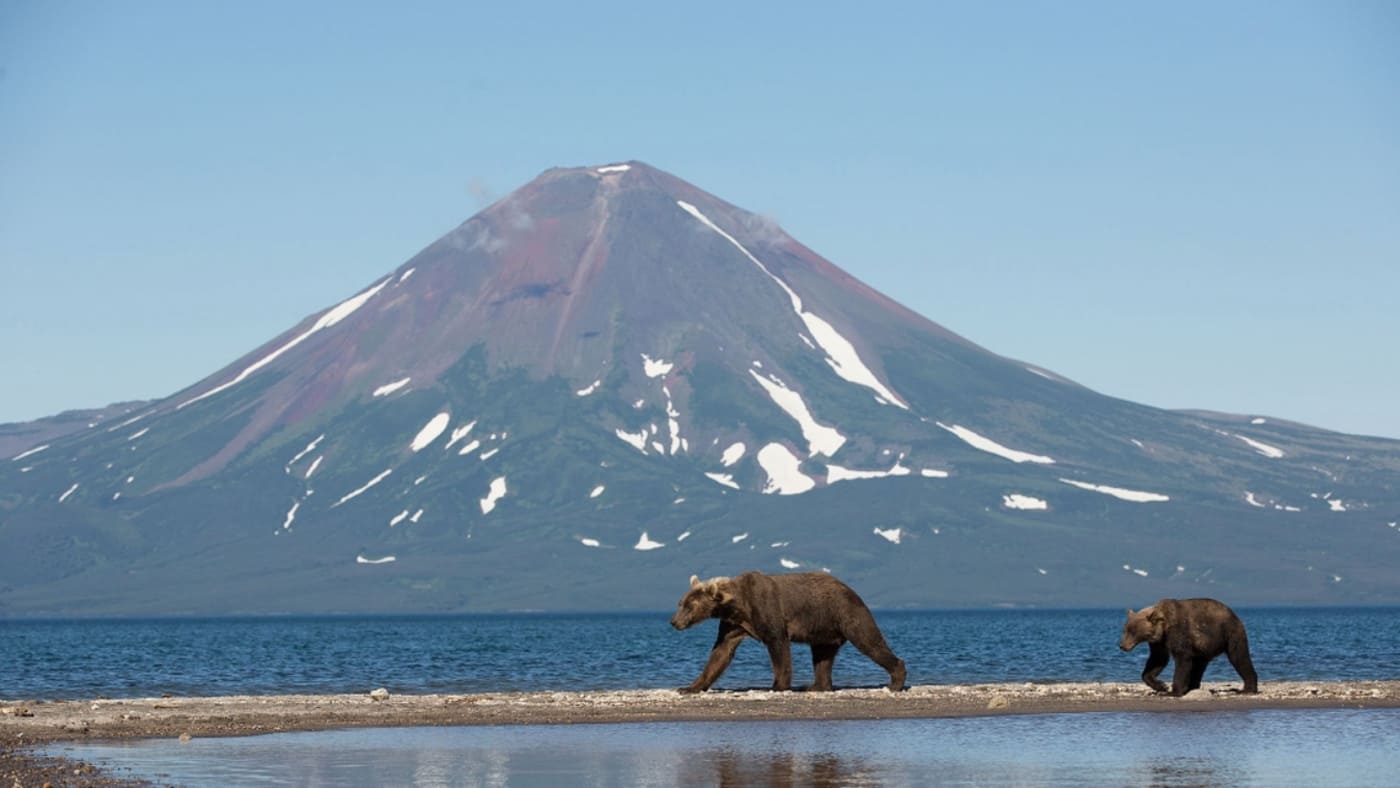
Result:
[778,610]
[1190,632]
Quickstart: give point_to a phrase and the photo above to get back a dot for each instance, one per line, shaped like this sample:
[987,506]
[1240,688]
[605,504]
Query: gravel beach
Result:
[26,723]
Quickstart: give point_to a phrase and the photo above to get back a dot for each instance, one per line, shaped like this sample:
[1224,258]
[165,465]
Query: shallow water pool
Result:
[1335,747]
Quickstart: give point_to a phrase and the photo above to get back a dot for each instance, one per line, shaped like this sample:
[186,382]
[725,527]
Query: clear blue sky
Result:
[1185,204]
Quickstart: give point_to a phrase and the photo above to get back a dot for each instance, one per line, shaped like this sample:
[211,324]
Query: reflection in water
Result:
[732,768]
[1275,747]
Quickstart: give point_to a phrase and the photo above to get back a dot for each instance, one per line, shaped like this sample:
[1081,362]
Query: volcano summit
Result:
[609,381]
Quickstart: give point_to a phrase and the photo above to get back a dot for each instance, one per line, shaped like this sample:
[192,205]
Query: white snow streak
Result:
[841,355]
[416,516]
[1118,492]
[1018,501]
[733,454]
[398,518]
[892,535]
[459,433]
[788,564]
[597,491]
[1251,500]
[486,455]
[469,448]
[316,463]
[310,447]
[614,168]
[1257,421]
[587,542]
[389,388]
[367,485]
[64,496]
[992,447]
[1334,504]
[820,439]
[592,387]
[723,478]
[933,473]
[139,433]
[430,432]
[782,467]
[637,440]
[835,473]
[1263,448]
[739,538]
[388,559]
[34,450]
[330,318]
[406,275]
[647,543]
[291,515]
[496,493]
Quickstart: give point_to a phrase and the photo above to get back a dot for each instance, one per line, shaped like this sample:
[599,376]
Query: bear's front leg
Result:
[780,652]
[1157,659]
[726,643]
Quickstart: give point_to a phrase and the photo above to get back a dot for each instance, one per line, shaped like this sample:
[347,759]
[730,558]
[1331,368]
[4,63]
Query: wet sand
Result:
[27,723]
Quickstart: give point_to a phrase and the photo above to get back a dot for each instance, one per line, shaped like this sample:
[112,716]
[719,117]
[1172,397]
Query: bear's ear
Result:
[1155,616]
[694,581]
[723,591]
[1130,613]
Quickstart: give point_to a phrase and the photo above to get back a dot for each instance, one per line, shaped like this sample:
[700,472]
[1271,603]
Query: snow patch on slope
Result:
[389,388]
[645,543]
[783,469]
[733,454]
[430,432]
[494,494]
[820,439]
[1135,496]
[330,318]
[841,355]
[354,493]
[992,447]
[24,454]
[892,535]
[1018,501]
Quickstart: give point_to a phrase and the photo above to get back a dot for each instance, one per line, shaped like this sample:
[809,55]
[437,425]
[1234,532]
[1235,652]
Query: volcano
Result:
[611,380]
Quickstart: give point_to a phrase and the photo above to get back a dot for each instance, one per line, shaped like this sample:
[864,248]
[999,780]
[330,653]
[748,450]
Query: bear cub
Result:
[1190,632]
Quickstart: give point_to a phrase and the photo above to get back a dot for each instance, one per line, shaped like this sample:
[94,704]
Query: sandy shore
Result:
[26,722]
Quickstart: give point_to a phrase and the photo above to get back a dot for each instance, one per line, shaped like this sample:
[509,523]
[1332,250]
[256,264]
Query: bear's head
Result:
[702,601]
[1145,626]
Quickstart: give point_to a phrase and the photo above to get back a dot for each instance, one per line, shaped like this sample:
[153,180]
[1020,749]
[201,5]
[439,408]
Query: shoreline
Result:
[37,722]
[28,725]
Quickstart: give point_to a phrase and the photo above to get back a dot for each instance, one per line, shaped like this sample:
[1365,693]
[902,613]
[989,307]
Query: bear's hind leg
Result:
[1238,652]
[823,657]
[1197,673]
[880,653]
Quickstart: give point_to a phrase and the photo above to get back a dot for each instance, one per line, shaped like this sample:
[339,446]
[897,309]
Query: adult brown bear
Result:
[777,610]
[1190,632]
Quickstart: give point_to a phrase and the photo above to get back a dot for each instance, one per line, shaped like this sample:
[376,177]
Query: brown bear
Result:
[777,610]
[1190,632]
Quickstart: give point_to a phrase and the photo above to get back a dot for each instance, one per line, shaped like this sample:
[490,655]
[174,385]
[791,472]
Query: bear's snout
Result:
[1127,645]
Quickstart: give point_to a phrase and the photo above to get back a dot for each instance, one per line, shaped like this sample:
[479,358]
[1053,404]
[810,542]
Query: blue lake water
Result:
[478,653]
[458,654]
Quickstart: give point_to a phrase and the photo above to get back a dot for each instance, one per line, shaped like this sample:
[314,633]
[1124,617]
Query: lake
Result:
[477,653]
[483,653]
